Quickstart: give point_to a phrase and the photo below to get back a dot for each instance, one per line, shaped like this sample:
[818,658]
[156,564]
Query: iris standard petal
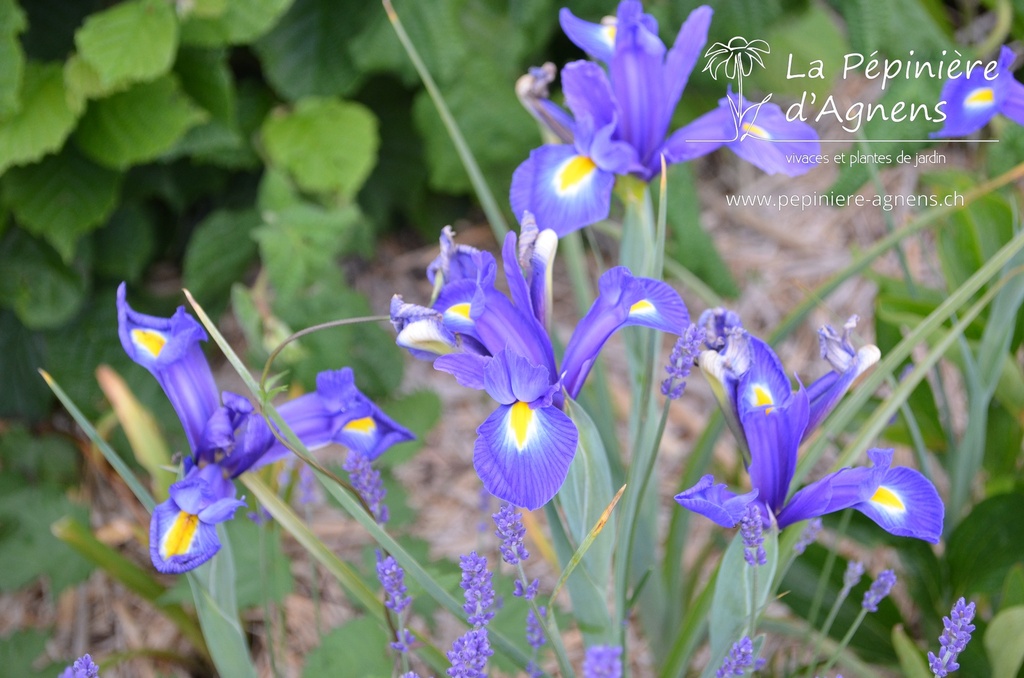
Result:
[597,40]
[681,59]
[169,348]
[703,135]
[906,504]
[522,455]
[716,502]
[467,368]
[588,92]
[563,189]
[509,377]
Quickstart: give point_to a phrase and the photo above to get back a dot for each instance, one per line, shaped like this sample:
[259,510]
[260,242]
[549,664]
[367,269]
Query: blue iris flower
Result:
[226,435]
[972,100]
[500,344]
[772,421]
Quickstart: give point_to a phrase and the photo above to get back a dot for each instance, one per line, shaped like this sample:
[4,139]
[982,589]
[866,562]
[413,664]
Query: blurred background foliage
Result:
[243,148]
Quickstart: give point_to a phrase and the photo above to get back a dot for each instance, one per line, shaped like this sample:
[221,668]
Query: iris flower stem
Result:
[846,639]
[310,330]
[826,573]
[483,192]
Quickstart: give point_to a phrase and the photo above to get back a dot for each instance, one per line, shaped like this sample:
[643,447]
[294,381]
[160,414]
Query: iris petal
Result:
[716,502]
[906,504]
[558,192]
[530,474]
[597,40]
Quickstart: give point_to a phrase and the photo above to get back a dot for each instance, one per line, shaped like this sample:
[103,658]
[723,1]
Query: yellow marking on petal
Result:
[151,340]
[461,310]
[178,539]
[574,172]
[365,425]
[762,396]
[983,96]
[756,131]
[519,421]
[888,499]
[609,31]
[642,306]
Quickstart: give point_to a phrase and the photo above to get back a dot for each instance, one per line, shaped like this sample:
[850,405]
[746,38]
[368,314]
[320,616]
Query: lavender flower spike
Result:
[602,661]
[469,655]
[366,481]
[854,571]
[880,588]
[476,582]
[510,528]
[957,628]
[739,660]
[392,579]
[808,536]
[752,530]
[685,351]
[85,667]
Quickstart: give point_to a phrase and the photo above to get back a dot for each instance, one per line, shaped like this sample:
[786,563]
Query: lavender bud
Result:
[752,531]
[956,633]
[476,582]
[534,629]
[880,588]
[83,667]
[511,531]
[529,592]
[602,661]
[808,536]
[392,578]
[686,349]
[739,660]
[366,481]
[469,655]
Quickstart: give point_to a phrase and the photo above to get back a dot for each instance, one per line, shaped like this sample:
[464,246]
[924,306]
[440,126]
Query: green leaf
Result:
[219,252]
[12,23]
[802,38]
[19,651]
[298,244]
[44,459]
[325,144]
[207,79]
[44,121]
[61,198]
[1013,588]
[1002,642]
[983,547]
[419,411]
[137,125]
[305,54]
[125,245]
[24,395]
[734,587]
[240,22]
[267,575]
[36,284]
[27,547]
[586,493]
[346,651]
[134,41]
[912,663]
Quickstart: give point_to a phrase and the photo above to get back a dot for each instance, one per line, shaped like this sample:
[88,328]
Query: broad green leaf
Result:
[420,412]
[206,8]
[736,585]
[137,125]
[213,590]
[134,41]
[298,244]
[802,38]
[61,198]
[325,144]
[586,493]
[266,576]
[305,54]
[27,547]
[44,121]
[346,651]
[1002,642]
[36,284]
[912,662]
[82,81]
[983,547]
[24,395]
[42,459]
[207,79]
[219,252]
[19,652]
[1013,588]
[12,23]
[240,22]
[125,245]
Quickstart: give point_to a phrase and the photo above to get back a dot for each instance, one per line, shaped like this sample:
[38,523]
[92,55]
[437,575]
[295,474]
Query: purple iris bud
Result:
[469,654]
[974,97]
[169,348]
[511,532]
[740,659]
[808,536]
[366,481]
[680,362]
[772,420]
[880,588]
[83,667]
[752,531]
[602,661]
[847,364]
[182,530]
[476,582]
[956,633]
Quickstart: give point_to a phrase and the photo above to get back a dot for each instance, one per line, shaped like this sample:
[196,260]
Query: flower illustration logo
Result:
[736,58]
